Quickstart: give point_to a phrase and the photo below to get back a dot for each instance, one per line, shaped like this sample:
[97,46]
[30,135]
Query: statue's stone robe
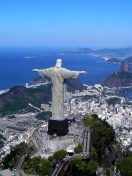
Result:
[58,77]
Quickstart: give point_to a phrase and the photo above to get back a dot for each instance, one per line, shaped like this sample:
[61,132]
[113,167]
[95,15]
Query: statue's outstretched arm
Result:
[35,70]
[82,72]
[44,72]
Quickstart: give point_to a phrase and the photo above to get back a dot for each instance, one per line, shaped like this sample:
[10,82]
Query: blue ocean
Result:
[16,64]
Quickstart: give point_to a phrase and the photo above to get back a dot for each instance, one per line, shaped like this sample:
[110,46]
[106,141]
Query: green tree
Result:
[50,158]
[37,166]
[10,160]
[78,148]
[44,168]
[103,135]
[125,166]
[59,155]
[1,143]
[107,172]
[44,115]
[113,101]
[78,167]
[94,155]
[92,167]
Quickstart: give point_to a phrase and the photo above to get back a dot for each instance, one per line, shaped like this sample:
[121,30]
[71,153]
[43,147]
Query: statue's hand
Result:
[35,70]
[83,72]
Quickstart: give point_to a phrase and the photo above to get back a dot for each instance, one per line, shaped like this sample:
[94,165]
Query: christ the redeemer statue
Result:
[58,77]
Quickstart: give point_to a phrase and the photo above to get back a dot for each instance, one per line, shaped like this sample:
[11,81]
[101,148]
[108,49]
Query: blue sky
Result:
[84,23]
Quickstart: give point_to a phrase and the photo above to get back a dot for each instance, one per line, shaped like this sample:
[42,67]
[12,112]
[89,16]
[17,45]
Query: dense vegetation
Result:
[59,155]
[74,84]
[11,117]
[103,136]
[2,139]
[1,143]
[37,166]
[76,167]
[17,98]
[113,101]
[78,149]
[79,167]
[128,151]
[125,166]
[87,97]
[44,115]
[41,166]
[10,160]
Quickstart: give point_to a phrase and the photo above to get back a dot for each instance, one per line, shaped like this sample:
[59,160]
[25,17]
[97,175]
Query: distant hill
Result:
[129,59]
[122,78]
[72,84]
[118,79]
[104,51]
[113,60]
[40,80]
[17,98]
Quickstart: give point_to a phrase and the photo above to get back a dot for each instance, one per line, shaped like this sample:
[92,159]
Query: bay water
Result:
[16,64]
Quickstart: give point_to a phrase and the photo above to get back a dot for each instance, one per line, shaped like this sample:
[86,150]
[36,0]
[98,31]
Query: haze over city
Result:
[94,24]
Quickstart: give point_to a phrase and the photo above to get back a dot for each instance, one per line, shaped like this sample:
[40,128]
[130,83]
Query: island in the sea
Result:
[28,56]
[46,55]
[113,60]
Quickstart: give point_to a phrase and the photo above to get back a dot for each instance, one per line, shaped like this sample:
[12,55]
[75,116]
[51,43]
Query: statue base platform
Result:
[58,127]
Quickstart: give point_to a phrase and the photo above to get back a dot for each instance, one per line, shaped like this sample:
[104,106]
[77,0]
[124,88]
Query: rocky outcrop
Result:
[113,155]
[124,66]
[119,79]
[122,78]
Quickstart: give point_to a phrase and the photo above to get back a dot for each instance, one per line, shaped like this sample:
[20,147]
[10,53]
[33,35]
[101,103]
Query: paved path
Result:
[18,170]
[86,142]
[86,154]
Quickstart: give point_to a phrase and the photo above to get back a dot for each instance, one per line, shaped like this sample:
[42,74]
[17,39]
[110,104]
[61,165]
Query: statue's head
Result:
[58,63]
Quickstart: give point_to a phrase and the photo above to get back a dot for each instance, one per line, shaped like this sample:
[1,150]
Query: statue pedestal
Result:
[58,127]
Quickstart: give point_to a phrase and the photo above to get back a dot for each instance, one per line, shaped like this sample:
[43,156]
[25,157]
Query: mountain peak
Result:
[124,66]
